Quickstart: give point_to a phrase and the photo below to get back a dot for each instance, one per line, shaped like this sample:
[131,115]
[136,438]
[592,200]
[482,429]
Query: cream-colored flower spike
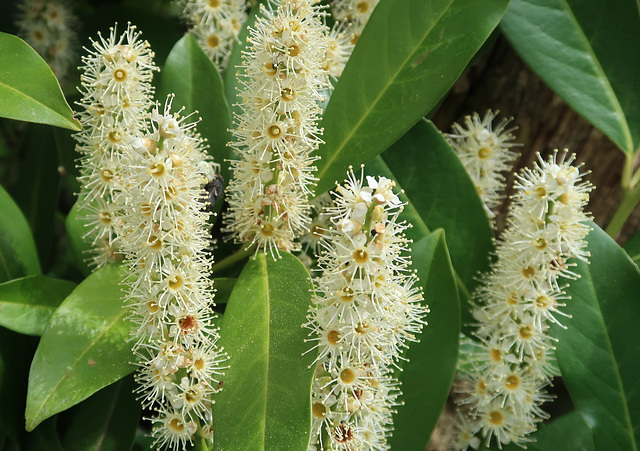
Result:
[116,98]
[502,392]
[215,24]
[277,130]
[366,311]
[356,13]
[485,153]
[164,236]
[50,28]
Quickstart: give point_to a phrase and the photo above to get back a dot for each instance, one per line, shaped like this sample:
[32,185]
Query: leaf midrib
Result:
[330,159]
[609,89]
[616,368]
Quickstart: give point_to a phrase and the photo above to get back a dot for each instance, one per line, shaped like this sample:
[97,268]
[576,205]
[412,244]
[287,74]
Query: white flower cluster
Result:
[356,13]
[277,129]
[117,93]
[165,240]
[215,25]
[366,310]
[513,363]
[484,152]
[49,27]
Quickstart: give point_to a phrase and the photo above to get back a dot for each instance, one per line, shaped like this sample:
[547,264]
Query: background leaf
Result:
[190,74]
[28,89]
[84,348]
[106,421]
[81,247]
[18,256]
[569,432]
[587,51]
[26,304]
[598,352]
[409,55]
[37,190]
[427,377]
[633,248]
[265,403]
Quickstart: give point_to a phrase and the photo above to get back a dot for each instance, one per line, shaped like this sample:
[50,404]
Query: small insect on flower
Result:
[215,190]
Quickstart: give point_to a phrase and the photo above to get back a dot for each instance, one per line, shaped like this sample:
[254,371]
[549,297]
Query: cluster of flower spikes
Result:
[277,129]
[355,13]
[117,94]
[215,24]
[165,239]
[503,386]
[366,310]
[484,153]
[49,27]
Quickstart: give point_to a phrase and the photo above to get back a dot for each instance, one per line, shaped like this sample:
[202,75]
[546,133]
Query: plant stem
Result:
[630,198]
[246,250]
[201,444]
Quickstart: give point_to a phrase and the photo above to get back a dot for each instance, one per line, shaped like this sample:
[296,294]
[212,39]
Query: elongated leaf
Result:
[190,74]
[587,51]
[84,348]
[224,288]
[28,89]
[409,55]
[265,403]
[36,191]
[569,432]
[598,352]
[106,421]
[26,304]
[427,377]
[18,256]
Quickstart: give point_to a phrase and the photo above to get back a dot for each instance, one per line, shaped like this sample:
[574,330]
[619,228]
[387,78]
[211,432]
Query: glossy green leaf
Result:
[107,421]
[409,55]
[192,76]
[598,352]
[569,432]
[633,248]
[37,190]
[26,304]
[75,226]
[28,89]
[265,403]
[427,377]
[84,348]
[18,256]
[587,51]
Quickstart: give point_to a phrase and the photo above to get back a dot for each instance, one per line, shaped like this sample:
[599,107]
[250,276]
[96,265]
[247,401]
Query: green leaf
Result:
[409,55]
[44,438]
[76,229]
[107,421]
[265,403]
[588,54]
[569,432]
[598,352]
[18,256]
[26,304]
[192,76]
[427,377]
[633,248]
[36,191]
[84,348]
[28,89]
